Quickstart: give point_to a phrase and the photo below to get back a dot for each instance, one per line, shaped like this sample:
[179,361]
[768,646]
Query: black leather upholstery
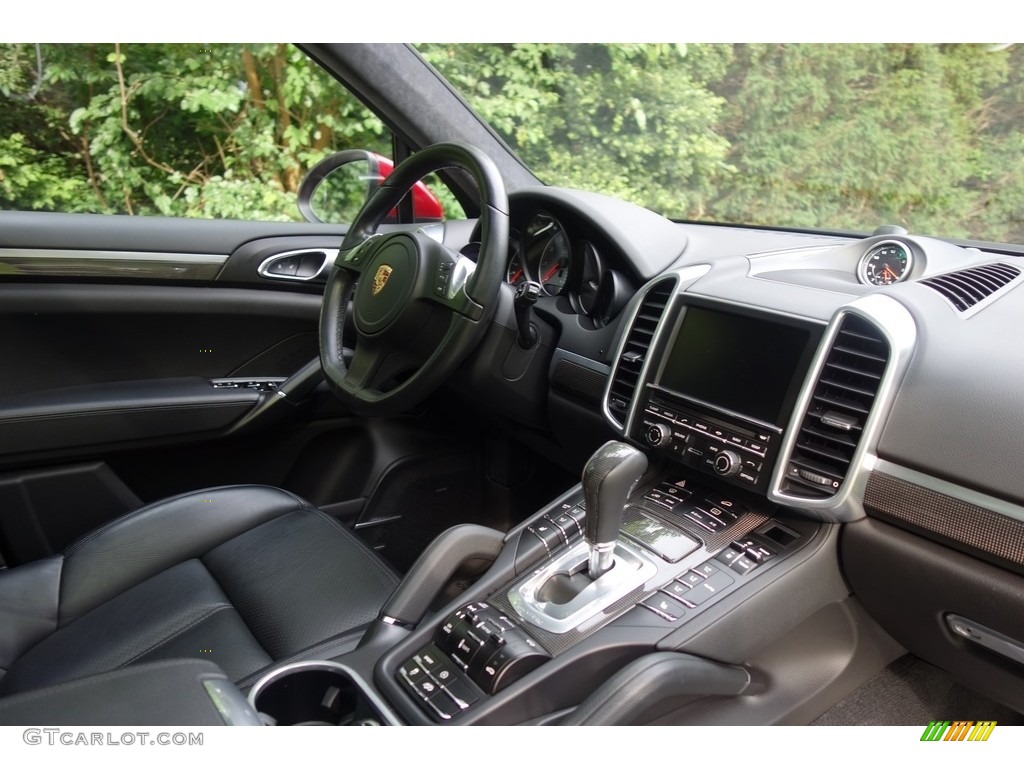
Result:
[244,576]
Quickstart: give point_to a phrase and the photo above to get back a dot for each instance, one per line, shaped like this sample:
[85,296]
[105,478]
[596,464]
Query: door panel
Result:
[66,334]
[111,330]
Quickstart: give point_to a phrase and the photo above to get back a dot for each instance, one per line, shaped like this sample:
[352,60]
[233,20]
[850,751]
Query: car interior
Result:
[563,461]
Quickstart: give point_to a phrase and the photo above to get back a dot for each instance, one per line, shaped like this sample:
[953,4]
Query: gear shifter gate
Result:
[544,600]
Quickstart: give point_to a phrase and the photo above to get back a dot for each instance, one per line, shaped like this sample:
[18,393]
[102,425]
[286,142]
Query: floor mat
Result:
[912,692]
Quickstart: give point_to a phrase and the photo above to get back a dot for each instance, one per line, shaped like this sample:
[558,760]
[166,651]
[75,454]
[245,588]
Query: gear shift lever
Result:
[607,480]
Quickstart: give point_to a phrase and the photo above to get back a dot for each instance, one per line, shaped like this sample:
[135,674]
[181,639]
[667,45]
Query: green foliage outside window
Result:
[806,135]
[214,131]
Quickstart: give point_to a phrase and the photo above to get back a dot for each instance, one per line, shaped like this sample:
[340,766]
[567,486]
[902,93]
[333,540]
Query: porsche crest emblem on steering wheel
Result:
[381,278]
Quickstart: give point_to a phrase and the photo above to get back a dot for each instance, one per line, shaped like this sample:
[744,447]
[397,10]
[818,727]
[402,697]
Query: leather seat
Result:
[244,576]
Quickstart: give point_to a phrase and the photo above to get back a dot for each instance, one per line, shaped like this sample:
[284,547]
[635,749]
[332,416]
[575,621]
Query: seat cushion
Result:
[274,580]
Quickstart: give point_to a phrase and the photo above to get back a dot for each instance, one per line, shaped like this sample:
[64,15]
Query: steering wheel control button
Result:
[665,606]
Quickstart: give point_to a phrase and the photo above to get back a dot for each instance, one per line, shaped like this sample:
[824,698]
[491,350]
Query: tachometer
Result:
[516,272]
[554,262]
[886,263]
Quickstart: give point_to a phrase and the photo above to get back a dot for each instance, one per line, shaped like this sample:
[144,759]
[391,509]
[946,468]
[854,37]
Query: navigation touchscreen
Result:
[752,366]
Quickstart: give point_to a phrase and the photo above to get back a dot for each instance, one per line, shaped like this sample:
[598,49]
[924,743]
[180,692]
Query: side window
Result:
[192,130]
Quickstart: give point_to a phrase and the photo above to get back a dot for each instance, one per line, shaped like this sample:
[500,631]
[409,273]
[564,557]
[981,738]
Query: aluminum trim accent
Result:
[330,256]
[954,491]
[27,262]
[632,570]
[896,323]
[680,276]
[461,273]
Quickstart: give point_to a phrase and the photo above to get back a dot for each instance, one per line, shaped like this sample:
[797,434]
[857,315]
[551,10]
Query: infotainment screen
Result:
[751,366]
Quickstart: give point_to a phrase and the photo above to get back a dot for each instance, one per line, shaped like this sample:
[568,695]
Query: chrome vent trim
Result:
[965,289]
[828,448]
[841,401]
[633,353]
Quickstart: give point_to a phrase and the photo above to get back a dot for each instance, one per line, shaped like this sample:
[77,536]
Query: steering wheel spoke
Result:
[418,307]
[368,369]
[352,258]
[449,273]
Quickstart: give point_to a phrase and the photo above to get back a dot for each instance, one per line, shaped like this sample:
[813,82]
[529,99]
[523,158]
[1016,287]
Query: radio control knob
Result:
[658,435]
[727,463]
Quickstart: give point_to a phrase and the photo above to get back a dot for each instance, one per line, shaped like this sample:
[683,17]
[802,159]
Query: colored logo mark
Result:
[958,730]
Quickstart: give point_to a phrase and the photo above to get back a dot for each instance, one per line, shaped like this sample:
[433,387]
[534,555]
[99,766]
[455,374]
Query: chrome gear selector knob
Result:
[608,478]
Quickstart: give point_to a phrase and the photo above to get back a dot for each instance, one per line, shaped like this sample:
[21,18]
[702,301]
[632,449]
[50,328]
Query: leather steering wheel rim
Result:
[429,284]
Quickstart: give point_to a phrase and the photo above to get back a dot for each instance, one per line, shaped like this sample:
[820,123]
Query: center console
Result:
[637,559]
[656,557]
[539,640]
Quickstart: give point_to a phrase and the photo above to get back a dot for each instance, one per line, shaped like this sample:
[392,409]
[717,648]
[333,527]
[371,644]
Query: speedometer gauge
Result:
[554,264]
[547,253]
[886,263]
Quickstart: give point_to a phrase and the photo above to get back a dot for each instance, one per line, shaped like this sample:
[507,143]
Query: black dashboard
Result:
[867,383]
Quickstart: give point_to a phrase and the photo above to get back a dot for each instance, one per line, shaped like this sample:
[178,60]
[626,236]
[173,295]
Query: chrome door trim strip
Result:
[51,262]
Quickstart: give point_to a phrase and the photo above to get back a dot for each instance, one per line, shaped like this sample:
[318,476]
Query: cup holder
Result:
[312,693]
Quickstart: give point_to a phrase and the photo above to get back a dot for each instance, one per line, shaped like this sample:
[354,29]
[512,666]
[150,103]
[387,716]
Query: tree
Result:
[636,121]
[219,131]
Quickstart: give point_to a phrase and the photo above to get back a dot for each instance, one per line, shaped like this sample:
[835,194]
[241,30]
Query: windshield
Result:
[834,137]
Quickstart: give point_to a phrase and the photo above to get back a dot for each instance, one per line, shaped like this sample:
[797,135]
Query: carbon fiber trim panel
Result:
[944,518]
[582,382]
[713,541]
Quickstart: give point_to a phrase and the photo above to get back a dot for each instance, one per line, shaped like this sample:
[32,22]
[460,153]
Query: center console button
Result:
[709,588]
[691,578]
[461,691]
[547,532]
[664,606]
[676,589]
[567,524]
[443,705]
[742,565]
[706,569]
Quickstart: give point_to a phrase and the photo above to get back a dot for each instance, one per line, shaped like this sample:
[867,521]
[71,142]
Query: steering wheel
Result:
[419,307]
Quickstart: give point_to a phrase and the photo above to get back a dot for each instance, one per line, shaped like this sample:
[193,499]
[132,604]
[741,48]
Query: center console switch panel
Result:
[477,650]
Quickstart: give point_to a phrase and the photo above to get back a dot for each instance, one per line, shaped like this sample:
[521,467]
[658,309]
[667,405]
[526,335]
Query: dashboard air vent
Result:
[968,287]
[839,407]
[627,368]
